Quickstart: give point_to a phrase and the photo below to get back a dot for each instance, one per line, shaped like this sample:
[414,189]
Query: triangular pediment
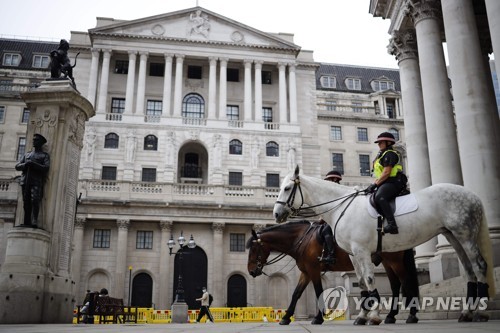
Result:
[194,25]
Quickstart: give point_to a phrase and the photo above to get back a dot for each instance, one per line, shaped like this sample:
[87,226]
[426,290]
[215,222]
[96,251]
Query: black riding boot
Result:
[329,246]
[391,227]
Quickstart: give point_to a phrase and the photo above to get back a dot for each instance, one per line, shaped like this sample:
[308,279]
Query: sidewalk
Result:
[424,326]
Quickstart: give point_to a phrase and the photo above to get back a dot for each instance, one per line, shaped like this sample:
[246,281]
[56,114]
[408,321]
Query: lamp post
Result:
[129,285]
[179,296]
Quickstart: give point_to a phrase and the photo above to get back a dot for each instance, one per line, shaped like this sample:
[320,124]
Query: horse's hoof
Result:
[390,320]
[465,318]
[317,321]
[285,321]
[480,317]
[360,321]
[374,321]
[412,319]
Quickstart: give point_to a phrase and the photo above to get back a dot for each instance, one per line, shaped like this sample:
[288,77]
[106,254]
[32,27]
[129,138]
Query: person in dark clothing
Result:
[205,306]
[389,179]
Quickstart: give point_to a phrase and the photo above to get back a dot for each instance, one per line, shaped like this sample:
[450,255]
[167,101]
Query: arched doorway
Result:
[236,291]
[193,163]
[142,291]
[194,274]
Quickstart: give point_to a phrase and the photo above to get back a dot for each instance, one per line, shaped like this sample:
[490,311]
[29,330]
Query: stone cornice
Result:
[350,118]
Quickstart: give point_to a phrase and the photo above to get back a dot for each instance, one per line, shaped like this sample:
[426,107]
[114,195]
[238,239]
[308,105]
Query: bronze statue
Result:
[34,166]
[60,63]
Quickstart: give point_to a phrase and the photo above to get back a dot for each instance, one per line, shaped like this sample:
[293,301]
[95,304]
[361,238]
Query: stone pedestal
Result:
[179,313]
[36,284]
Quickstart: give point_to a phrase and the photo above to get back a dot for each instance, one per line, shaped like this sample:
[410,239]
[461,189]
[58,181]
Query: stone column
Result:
[248,90]
[475,108]
[121,268]
[282,93]
[223,88]
[141,83]
[36,274]
[103,86]
[258,91]
[179,60]
[403,45]
[94,69]
[76,259]
[293,93]
[167,86]
[493,12]
[129,95]
[165,283]
[212,84]
[218,259]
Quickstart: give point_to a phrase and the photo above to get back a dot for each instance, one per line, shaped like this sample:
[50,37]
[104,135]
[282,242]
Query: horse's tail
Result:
[75,60]
[411,276]
[487,252]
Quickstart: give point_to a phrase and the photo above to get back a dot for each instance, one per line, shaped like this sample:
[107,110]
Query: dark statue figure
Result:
[34,166]
[60,63]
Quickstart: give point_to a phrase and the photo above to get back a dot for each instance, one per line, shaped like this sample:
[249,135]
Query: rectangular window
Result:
[362,134]
[21,148]
[266,77]
[390,111]
[331,105]
[235,178]
[144,240]
[154,108]
[357,107]
[102,238]
[2,113]
[338,162]
[108,173]
[364,165]
[233,112]
[148,174]
[328,81]
[40,61]
[11,59]
[121,67]
[194,72]
[237,242]
[267,115]
[117,105]
[353,84]
[156,69]
[335,133]
[233,75]
[26,116]
[272,180]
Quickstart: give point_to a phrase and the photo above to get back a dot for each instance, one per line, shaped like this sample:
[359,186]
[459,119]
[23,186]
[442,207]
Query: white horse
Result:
[446,209]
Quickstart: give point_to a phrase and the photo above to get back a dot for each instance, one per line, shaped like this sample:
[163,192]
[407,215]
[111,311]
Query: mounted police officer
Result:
[389,179]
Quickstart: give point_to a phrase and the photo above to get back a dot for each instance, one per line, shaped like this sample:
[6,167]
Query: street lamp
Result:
[179,297]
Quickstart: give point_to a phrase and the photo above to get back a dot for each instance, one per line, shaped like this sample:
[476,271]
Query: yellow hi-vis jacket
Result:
[378,168]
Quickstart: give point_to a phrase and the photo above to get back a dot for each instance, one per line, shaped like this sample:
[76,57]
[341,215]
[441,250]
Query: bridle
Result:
[260,262]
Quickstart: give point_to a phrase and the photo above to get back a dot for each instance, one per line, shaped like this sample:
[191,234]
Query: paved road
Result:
[424,326]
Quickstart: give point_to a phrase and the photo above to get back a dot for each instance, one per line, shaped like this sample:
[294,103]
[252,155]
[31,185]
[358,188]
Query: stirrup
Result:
[391,229]
[329,259]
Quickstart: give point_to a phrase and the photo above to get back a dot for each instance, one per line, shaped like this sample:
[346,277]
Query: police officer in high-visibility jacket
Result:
[389,178]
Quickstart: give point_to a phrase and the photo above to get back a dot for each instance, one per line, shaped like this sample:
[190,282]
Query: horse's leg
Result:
[362,316]
[395,288]
[303,282]
[318,289]
[363,259]
[406,271]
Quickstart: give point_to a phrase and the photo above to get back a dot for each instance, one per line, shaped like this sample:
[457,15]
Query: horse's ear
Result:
[254,234]
[297,171]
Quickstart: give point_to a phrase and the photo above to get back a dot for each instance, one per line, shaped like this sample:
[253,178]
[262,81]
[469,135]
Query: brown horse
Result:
[301,241]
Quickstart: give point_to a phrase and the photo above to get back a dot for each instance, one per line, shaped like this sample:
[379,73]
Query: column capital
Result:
[403,45]
[258,64]
[123,224]
[258,227]
[213,60]
[424,9]
[179,57]
[106,53]
[132,52]
[281,65]
[95,52]
[248,63]
[292,67]
[218,228]
[224,60]
[143,54]
[166,225]
[80,222]
[168,56]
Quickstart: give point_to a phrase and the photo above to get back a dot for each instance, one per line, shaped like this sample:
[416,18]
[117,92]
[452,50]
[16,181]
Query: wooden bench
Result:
[109,310]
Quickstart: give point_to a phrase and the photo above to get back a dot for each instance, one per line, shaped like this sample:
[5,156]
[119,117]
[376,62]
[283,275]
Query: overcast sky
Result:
[338,31]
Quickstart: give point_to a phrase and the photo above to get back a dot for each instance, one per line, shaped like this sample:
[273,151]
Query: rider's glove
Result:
[371,188]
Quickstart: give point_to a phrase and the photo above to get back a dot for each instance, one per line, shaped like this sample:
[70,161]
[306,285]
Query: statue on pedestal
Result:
[34,166]
[60,64]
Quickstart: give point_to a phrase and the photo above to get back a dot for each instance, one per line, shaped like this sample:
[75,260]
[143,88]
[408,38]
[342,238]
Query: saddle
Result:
[403,203]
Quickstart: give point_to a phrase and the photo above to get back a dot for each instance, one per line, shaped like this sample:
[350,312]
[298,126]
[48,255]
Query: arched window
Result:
[111,140]
[394,132]
[193,106]
[150,142]
[235,147]
[272,149]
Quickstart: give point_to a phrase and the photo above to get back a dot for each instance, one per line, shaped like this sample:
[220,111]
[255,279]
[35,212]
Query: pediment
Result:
[194,25]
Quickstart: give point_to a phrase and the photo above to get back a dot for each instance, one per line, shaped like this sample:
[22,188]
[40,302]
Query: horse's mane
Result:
[281,227]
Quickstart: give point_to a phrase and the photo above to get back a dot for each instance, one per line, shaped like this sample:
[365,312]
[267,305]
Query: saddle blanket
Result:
[404,204]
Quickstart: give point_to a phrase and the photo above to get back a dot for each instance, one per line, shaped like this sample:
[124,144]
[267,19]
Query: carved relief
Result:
[218,228]
[237,37]
[158,30]
[403,45]
[199,24]
[80,222]
[166,225]
[258,227]
[123,224]
[423,9]
[47,119]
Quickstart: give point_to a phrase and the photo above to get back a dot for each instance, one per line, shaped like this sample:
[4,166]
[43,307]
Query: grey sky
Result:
[338,31]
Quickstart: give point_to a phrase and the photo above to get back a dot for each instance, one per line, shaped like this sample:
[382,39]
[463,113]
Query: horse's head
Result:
[257,256]
[287,201]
